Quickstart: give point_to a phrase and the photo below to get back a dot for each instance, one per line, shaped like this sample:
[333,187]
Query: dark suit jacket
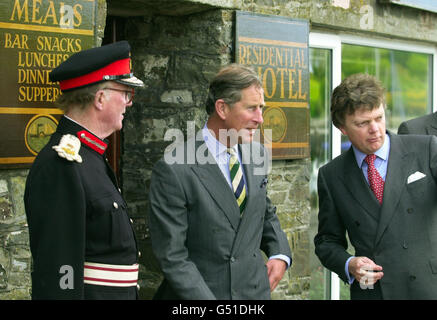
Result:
[400,235]
[204,250]
[426,125]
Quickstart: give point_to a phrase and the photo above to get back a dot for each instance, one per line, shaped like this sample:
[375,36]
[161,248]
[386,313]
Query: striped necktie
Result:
[237,180]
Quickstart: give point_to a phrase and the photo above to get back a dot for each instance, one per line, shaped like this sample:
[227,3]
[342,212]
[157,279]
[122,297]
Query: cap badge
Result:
[68,148]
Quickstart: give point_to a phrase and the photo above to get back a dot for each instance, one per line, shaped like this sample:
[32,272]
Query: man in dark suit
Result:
[426,125]
[382,192]
[210,216]
[81,238]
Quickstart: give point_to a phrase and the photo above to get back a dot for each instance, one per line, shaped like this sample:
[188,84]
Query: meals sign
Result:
[277,49]
[35,37]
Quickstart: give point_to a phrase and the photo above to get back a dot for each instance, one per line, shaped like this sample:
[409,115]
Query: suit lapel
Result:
[356,183]
[212,179]
[395,181]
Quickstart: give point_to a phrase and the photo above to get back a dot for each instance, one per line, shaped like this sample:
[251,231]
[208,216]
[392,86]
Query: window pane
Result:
[405,75]
[320,132]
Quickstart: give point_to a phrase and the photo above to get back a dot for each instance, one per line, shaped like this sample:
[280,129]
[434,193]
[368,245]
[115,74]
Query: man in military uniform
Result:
[81,238]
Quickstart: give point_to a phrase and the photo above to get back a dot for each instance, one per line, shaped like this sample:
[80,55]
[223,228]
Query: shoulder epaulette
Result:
[68,148]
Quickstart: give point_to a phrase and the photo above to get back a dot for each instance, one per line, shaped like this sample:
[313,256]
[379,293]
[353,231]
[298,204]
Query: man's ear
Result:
[221,108]
[99,99]
[341,128]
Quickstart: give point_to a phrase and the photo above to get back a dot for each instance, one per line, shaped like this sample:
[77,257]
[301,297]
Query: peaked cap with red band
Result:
[110,62]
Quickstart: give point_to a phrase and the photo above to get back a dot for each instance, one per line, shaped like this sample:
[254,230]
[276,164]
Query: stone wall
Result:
[15,258]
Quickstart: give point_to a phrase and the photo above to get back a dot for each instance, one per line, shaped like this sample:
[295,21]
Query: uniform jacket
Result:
[426,125]
[76,213]
[204,250]
[400,235]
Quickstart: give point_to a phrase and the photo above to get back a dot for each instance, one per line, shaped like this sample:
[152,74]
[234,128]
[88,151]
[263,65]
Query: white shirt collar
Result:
[217,148]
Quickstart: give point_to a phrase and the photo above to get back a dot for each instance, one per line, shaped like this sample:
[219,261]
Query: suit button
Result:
[115,204]
[232,259]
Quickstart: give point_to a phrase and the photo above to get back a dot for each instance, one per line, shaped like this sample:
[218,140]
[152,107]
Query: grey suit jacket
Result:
[400,235]
[426,125]
[204,249]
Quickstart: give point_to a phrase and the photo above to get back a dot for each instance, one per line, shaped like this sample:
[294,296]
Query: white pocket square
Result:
[415,176]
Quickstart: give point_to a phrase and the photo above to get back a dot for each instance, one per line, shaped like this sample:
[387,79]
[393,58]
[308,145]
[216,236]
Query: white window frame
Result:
[333,42]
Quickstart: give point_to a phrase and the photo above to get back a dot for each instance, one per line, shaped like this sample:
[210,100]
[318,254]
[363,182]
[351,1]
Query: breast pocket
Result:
[419,187]
[108,224]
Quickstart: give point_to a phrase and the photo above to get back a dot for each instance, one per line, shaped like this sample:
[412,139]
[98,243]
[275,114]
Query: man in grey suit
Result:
[382,192]
[210,216]
[426,125]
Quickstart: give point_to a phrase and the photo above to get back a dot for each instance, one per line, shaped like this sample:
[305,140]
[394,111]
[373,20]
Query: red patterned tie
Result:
[375,180]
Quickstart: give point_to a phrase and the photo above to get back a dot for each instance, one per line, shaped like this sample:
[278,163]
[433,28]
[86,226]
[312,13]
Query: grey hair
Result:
[228,83]
[78,98]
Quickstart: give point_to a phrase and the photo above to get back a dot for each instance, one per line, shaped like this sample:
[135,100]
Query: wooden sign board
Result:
[35,37]
[277,48]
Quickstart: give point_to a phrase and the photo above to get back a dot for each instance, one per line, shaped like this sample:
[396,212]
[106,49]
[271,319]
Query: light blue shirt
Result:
[221,156]
[381,163]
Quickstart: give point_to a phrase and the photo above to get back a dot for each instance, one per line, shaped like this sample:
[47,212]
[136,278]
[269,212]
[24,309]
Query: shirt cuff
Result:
[281,257]
[350,278]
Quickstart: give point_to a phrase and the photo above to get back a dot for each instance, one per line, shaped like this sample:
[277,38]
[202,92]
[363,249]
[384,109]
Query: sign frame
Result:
[35,37]
[278,50]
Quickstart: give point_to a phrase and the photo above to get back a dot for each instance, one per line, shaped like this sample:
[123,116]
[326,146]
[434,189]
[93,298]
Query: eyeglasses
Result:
[128,94]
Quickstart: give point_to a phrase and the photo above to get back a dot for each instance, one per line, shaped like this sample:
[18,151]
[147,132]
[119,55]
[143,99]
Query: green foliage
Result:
[405,75]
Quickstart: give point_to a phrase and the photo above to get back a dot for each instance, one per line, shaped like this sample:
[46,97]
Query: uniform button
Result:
[138,286]
[410,210]
[115,204]
[404,245]
[131,221]
[412,278]
[232,259]
[139,254]
[119,190]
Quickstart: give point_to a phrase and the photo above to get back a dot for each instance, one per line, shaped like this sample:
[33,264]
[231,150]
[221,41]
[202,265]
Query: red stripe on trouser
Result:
[107,280]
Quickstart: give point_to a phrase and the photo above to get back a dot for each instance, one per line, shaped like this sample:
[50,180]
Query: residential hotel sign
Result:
[35,37]
[277,48]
